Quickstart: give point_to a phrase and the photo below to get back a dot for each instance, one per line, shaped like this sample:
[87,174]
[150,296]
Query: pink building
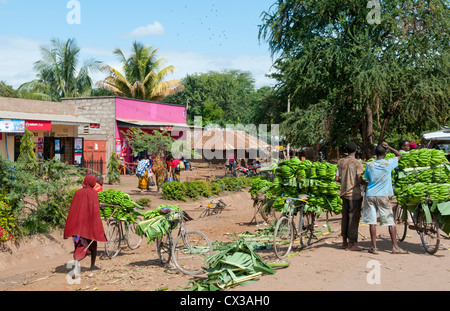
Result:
[114,115]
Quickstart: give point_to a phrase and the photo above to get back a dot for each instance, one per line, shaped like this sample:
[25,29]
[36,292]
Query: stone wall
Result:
[101,110]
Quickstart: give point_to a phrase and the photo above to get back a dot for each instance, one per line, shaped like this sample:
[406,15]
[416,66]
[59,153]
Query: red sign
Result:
[32,125]
[94,125]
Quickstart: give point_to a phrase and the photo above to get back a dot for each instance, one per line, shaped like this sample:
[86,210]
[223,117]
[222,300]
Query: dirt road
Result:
[40,263]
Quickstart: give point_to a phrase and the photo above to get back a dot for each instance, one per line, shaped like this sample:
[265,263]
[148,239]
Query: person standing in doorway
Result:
[349,174]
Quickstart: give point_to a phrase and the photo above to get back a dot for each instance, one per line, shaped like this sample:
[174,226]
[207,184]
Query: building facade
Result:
[115,115]
[54,125]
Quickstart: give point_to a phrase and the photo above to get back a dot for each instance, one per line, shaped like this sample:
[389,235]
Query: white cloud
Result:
[151,29]
[18,54]
[190,63]
[17,58]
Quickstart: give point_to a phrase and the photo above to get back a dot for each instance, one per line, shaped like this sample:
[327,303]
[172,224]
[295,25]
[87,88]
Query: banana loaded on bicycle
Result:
[422,189]
[187,250]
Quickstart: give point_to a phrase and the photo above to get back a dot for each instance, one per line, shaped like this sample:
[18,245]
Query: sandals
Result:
[373,250]
[399,251]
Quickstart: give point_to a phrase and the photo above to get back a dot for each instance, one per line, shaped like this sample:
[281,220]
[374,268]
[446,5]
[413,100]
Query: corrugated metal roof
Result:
[219,139]
[54,118]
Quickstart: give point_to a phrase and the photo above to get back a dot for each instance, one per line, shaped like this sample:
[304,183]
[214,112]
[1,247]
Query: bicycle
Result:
[189,249]
[424,222]
[263,206]
[119,231]
[217,209]
[285,230]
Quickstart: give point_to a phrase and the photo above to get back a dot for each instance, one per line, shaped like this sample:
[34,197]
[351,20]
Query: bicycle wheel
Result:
[113,237]
[283,237]
[401,221]
[429,232]
[133,240]
[164,248]
[190,251]
[305,227]
[204,213]
[267,212]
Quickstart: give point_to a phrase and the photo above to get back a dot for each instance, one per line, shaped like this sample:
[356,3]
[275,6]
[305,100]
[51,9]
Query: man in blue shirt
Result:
[378,192]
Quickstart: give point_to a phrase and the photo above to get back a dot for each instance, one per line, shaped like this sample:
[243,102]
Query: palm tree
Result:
[57,73]
[143,76]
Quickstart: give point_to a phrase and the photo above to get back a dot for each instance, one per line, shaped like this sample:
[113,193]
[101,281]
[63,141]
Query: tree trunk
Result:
[366,131]
[387,118]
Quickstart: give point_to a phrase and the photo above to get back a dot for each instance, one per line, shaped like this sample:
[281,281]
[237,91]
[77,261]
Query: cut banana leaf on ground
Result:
[237,264]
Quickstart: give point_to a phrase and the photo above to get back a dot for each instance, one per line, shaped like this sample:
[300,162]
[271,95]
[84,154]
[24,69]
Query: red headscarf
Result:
[84,214]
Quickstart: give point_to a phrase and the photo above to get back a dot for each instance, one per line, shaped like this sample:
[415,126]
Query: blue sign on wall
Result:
[12,126]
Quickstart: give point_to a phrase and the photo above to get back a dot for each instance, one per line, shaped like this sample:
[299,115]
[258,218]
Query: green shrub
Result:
[191,190]
[173,191]
[113,167]
[8,222]
[215,188]
[144,202]
[202,188]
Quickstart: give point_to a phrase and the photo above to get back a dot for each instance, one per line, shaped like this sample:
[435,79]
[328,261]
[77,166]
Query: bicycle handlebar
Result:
[295,199]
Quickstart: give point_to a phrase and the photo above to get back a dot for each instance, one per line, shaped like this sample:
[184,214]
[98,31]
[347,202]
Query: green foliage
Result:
[142,75]
[113,174]
[8,222]
[27,158]
[58,75]
[7,90]
[141,141]
[199,188]
[39,201]
[215,188]
[363,78]
[144,202]
[211,94]
[173,191]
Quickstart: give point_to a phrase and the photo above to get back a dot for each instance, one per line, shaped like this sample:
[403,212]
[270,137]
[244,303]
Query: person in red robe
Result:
[84,223]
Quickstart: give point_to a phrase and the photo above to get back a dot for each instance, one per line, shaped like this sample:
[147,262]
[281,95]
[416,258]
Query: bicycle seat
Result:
[165,209]
[303,197]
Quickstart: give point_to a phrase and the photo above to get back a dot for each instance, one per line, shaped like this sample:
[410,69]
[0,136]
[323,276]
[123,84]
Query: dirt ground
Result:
[40,263]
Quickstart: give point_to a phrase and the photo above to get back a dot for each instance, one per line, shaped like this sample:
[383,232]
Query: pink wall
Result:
[145,111]
[148,111]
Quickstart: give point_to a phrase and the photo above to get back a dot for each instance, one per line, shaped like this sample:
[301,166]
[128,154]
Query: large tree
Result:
[142,75]
[372,79]
[220,97]
[59,74]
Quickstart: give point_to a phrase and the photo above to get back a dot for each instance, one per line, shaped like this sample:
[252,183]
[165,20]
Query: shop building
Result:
[115,115]
[54,125]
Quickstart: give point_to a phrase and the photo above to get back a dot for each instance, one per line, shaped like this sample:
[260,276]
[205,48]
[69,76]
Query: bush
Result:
[173,191]
[38,201]
[8,222]
[113,174]
[202,188]
[215,188]
[144,202]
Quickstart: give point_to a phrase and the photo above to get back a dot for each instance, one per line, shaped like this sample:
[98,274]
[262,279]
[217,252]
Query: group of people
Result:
[85,227]
[358,206]
[154,171]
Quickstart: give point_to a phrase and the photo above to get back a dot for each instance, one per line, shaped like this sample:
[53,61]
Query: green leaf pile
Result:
[236,264]
[155,224]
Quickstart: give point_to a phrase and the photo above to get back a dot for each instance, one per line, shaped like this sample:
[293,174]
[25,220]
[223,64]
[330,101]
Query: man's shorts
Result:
[384,208]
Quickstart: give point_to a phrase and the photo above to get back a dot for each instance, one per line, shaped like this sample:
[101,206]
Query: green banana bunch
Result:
[117,197]
[437,157]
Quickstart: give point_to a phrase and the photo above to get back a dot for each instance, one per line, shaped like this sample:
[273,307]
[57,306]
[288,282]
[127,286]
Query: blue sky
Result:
[193,35]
